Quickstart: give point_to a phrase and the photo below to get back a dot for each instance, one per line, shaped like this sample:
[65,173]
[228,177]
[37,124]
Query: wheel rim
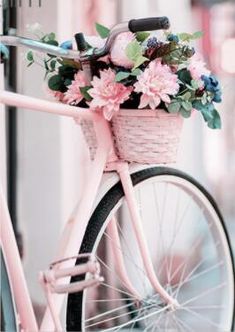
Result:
[203,284]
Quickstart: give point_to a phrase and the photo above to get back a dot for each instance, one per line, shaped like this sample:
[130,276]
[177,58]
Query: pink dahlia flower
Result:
[156,83]
[118,50]
[73,94]
[108,94]
[197,67]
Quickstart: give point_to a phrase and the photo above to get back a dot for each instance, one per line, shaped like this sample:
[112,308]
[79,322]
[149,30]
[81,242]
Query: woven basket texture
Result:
[141,136]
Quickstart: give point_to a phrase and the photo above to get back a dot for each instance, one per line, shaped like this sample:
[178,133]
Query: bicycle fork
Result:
[123,171]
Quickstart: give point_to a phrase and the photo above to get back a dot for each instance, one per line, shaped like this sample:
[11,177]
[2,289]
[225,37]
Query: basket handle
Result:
[148,24]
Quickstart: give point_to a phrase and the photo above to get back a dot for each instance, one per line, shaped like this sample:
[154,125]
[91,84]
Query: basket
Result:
[141,136]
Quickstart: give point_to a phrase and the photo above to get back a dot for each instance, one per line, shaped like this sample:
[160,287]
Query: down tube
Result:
[79,221]
[20,291]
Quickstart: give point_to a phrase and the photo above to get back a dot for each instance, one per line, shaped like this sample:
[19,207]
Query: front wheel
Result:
[189,248]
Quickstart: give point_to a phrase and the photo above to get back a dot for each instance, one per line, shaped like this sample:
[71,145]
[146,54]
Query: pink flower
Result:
[197,67]
[118,50]
[156,83]
[73,94]
[108,94]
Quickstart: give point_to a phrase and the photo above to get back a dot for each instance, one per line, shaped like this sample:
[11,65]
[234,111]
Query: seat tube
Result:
[123,171]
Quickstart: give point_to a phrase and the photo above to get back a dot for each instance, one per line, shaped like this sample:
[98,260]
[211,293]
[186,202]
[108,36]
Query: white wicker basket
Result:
[142,136]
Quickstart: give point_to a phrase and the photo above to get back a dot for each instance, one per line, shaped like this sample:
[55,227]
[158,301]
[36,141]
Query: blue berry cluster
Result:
[173,38]
[67,45]
[152,42]
[212,85]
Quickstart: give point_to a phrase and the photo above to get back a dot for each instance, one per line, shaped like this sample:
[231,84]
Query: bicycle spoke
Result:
[186,260]
[183,280]
[109,312]
[116,274]
[216,307]
[199,274]
[125,255]
[203,317]
[221,263]
[118,316]
[177,324]
[118,290]
[203,294]
[184,324]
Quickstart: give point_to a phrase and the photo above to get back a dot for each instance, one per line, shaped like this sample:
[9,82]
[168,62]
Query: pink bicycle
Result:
[154,234]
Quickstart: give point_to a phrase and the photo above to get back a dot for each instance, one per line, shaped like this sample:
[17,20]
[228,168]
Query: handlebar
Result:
[38,46]
[146,24]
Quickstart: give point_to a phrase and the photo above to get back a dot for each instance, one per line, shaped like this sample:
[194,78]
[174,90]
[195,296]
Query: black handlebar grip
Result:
[149,24]
[80,41]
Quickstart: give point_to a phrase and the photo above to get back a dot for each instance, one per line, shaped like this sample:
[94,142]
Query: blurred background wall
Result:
[50,149]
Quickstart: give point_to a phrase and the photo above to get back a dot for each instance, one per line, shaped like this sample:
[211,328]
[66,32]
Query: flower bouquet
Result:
[142,71]
[144,75]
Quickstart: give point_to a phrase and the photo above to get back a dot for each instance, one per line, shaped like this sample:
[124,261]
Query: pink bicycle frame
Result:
[75,228]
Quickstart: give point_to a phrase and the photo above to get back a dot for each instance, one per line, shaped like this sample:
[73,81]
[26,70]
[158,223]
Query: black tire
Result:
[99,216]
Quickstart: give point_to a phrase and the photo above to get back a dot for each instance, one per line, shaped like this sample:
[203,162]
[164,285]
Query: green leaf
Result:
[67,71]
[51,36]
[102,30]
[174,107]
[52,42]
[121,75]
[187,106]
[190,87]
[30,56]
[141,36]
[84,91]
[212,117]
[186,96]
[46,65]
[55,82]
[184,113]
[136,72]
[216,122]
[197,104]
[67,82]
[204,99]
[197,34]
[53,64]
[184,36]
[195,84]
[134,50]
[139,61]
[184,76]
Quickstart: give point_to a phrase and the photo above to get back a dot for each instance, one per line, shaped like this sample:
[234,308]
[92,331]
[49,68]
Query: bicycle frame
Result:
[75,228]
